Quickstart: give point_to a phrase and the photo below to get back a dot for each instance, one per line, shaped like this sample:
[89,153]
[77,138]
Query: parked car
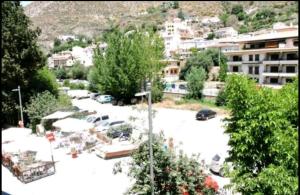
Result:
[106,126]
[122,131]
[98,119]
[205,114]
[216,166]
[104,99]
[94,96]
[116,102]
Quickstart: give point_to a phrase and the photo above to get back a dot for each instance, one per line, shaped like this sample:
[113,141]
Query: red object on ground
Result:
[210,183]
[50,136]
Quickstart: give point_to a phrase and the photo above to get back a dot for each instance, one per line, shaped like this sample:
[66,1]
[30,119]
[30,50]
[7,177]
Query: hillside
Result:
[91,18]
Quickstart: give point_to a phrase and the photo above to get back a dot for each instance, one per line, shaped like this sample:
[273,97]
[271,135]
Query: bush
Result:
[45,80]
[157,91]
[211,36]
[221,98]
[66,83]
[195,82]
[173,173]
[78,71]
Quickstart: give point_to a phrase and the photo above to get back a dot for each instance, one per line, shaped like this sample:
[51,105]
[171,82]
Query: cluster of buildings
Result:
[68,58]
[269,56]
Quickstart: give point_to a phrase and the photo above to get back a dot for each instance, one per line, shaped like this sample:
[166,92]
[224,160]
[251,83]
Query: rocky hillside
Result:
[91,18]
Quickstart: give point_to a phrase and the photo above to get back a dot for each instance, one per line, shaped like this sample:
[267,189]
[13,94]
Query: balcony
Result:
[233,63]
[279,74]
[280,61]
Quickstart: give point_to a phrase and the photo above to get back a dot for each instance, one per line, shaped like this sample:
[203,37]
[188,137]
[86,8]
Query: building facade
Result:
[270,59]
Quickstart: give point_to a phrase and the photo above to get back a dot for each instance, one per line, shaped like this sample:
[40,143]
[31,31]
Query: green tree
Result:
[263,138]
[195,82]
[172,173]
[199,59]
[57,42]
[78,71]
[224,18]
[21,58]
[45,80]
[236,9]
[61,73]
[211,36]
[130,59]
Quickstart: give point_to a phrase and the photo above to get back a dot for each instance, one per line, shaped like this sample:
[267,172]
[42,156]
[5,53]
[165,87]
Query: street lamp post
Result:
[20,101]
[150,136]
[150,132]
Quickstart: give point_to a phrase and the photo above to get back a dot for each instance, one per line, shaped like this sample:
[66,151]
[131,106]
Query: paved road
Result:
[89,174]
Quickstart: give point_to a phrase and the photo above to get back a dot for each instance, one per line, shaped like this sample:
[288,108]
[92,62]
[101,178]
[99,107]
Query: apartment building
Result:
[174,33]
[270,58]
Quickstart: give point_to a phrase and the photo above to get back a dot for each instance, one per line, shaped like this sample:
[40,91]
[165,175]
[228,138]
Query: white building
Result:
[210,20]
[270,58]
[84,55]
[63,59]
[175,32]
[226,32]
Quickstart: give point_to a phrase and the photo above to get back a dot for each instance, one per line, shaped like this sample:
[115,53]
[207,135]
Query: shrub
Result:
[221,98]
[195,82]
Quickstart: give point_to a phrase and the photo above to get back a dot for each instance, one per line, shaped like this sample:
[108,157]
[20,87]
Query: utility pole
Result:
[20,101]
[150,137]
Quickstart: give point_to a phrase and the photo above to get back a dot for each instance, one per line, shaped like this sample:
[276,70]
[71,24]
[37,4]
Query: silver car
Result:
[216,166]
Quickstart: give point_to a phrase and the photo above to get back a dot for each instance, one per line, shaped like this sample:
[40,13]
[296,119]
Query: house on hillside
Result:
[63,59]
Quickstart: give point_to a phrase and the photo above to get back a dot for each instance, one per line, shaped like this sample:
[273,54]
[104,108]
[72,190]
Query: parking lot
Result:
[89,174]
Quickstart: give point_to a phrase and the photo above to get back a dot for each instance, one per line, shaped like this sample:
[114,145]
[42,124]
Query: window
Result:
[250,70]
[105,117]
[287,80]
[274,80]
[290,69]
[291,56]
[236,58]
[295,43]
[257,70]
[274,57]
[235,69]
[178,63]
[250,57]
[256,57]
[274,69]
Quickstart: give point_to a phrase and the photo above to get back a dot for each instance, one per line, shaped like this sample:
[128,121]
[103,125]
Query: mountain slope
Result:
[91,18]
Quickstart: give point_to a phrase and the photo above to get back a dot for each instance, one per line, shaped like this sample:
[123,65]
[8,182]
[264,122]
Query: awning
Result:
[58,115]
[14,133]
[72,125]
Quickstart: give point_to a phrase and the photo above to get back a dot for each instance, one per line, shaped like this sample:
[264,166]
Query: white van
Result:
[98,119]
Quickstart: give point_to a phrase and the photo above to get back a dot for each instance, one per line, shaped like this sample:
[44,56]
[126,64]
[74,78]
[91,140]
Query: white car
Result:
[97,119]
[104,99]
[216,165]
[106,126]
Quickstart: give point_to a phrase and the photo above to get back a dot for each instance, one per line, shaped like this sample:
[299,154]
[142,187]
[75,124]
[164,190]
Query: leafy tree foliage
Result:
[263,137]
[130,59]
[173,174]
[206,59]
[224,18]
[61,73]
[78,71]
[195,82]
[45,80]
[236,9]
[43,104]
[175,4]
[21,58]
[211,36]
